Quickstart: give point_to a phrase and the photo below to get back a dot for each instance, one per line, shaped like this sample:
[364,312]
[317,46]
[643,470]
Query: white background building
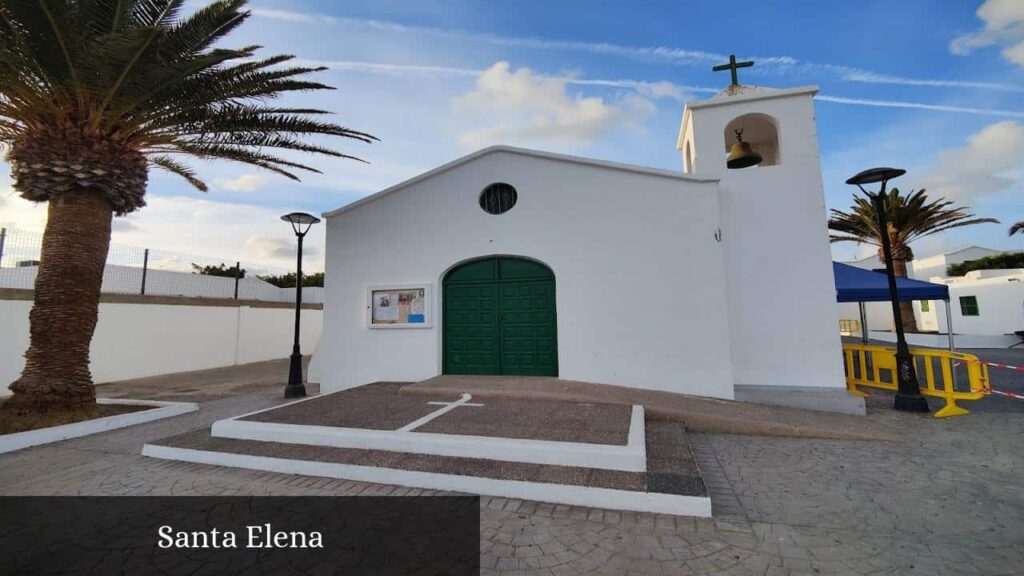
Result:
[986,303]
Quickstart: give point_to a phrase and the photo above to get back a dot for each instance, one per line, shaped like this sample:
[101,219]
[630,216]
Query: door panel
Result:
[471,329]
[499,318]
[527,328]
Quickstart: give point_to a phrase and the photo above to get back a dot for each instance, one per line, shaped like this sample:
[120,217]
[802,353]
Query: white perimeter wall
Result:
[782,299]
[128,280]
[136,340]
[639,280]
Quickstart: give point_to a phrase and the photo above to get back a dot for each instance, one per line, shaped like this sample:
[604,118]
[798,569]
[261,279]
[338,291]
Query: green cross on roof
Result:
[732,66]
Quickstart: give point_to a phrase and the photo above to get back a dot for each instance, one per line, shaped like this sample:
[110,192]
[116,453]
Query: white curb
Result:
[19,440]
[588,496]
[631,457]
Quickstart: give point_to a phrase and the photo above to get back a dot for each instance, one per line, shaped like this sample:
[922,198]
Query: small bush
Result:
[997,262]
[288,280]
[222,270]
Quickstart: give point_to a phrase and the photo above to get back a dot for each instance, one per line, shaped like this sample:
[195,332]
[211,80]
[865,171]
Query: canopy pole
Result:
[863,323]
[949,323]
[949,330]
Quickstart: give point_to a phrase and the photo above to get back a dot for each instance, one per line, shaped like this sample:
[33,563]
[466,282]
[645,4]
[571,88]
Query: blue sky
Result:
[936,87]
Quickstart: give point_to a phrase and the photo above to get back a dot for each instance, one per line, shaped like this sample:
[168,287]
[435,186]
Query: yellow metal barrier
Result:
[849,327]
[865,364]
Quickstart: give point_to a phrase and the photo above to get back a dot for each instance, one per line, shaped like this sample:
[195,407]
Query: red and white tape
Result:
[1007,394]
[1007,366]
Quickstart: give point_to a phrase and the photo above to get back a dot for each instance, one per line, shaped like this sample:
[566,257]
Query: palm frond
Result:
[175,167]
[910,217]
[139,77]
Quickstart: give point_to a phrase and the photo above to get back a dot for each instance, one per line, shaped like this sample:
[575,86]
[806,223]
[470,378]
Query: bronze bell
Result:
[741,155]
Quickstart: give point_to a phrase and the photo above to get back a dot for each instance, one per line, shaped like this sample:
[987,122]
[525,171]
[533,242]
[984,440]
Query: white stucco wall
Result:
[1000,295]
[781,290]
[879,314]
[640,286]
[137,340]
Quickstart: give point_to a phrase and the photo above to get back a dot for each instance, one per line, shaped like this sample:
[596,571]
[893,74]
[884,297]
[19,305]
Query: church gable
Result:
[510,156]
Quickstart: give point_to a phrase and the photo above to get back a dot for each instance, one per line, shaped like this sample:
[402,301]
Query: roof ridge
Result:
[523,152]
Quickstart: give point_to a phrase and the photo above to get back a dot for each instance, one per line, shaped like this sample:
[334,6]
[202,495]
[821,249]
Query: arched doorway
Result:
[499,318]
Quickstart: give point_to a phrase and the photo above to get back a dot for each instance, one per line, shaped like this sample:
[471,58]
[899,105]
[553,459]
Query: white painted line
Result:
[293,402]
[630,458]
[20,440]
[637,440]
[448,407]
[589,496]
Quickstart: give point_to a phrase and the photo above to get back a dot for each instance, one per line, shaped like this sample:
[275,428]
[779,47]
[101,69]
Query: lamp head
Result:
[873,175]
[301,222]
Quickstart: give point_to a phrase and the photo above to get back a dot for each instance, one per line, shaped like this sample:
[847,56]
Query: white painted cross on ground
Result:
[448,407]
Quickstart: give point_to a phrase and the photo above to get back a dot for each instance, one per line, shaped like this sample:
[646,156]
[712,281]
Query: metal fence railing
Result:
[875,367]
[131,270]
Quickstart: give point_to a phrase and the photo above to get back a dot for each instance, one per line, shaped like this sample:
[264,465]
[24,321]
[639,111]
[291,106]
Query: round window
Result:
[498,198]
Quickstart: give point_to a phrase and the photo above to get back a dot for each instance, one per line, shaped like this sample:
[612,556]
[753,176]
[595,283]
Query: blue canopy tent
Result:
[859,285]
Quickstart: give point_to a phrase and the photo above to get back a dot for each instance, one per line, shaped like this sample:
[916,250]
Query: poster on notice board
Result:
[399,307]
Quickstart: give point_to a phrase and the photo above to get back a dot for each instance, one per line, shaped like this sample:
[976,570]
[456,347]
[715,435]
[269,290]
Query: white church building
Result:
[708,281]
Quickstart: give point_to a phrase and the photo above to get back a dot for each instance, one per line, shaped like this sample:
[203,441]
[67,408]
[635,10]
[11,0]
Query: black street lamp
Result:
[908,394]
[301,223]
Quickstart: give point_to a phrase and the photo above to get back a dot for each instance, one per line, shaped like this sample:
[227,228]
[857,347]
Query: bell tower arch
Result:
[761,134]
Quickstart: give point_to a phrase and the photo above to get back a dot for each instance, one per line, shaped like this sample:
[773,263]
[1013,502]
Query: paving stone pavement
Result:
[949,499]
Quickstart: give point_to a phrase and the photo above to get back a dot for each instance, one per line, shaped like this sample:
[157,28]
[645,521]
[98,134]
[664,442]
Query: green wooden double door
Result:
[499,318]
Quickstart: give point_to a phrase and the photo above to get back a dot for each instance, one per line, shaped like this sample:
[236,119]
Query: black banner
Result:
[224,536]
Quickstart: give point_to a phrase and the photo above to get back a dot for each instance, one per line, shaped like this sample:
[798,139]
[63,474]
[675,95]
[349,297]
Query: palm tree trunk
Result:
[899,267]
[67,292]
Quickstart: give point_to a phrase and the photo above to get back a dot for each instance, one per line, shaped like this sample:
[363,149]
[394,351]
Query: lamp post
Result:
[301,223]
[908,394]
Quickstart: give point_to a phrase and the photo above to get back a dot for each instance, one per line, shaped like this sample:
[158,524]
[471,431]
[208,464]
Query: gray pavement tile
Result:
[947,498]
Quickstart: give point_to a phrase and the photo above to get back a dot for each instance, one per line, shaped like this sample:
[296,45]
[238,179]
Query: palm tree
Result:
[909,218]
[1017,228]
[92,94]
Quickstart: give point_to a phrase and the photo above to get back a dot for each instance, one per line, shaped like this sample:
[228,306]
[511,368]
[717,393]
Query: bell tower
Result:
[762,145]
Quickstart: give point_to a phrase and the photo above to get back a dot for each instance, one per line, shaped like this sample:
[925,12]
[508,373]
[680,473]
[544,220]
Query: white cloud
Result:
[242,183]
[850,74]
[1003,25]
[20,214]
[918,106]
[122,225]
[278,247]
[682,93]
[642,53]
[210,231]
[656,89]
[989,163]
[1015,53]
[1003,11]
[287,15]
[524,108]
